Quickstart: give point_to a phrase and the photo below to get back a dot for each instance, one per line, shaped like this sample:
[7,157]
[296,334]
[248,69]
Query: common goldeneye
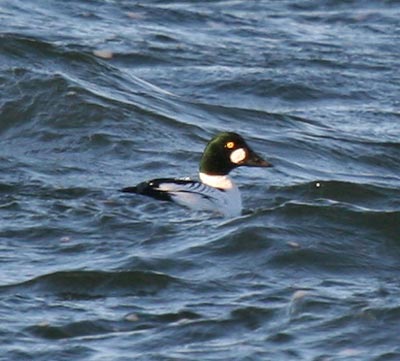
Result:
[216,191]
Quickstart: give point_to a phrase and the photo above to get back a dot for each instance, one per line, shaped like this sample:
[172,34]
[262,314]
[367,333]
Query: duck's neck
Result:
[217,181]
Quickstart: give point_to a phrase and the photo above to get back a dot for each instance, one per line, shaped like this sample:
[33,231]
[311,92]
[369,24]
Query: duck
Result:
[215,191]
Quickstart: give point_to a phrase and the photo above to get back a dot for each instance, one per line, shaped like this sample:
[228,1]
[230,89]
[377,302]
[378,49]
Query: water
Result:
[98,95]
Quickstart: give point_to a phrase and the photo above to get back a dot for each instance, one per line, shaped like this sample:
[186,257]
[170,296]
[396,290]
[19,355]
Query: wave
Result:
[77,285]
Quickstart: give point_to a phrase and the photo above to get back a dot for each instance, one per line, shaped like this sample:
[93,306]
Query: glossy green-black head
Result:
[227,151]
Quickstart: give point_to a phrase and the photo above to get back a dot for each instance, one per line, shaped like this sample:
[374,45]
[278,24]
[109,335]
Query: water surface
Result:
[98,95]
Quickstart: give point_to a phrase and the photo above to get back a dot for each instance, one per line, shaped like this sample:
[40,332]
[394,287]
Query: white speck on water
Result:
[132,317]
[104,54]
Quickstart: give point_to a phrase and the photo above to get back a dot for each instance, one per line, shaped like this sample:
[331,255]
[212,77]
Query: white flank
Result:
[214,193]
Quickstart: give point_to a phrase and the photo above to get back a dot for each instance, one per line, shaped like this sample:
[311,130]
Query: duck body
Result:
[218,194]
[215,191]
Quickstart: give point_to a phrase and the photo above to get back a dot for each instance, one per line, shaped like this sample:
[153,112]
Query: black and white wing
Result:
[189,193]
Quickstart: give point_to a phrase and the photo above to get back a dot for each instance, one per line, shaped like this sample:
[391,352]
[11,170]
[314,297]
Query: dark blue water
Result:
[98,95]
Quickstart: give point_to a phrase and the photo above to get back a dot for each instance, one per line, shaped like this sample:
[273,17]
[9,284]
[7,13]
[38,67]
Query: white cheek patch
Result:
[238,155]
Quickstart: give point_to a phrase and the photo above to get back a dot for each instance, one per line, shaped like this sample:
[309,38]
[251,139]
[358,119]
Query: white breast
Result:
[228,201]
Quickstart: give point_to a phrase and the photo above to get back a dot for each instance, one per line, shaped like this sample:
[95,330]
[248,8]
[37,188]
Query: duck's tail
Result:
[130,190]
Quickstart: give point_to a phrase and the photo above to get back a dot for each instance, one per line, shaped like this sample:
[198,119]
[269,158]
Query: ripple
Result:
[100,95]
[95,284]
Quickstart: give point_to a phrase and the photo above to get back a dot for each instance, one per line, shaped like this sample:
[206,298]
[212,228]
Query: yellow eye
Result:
[230,145]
